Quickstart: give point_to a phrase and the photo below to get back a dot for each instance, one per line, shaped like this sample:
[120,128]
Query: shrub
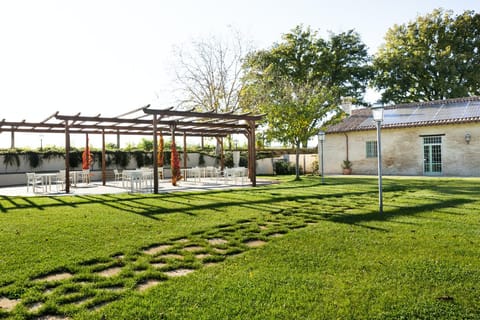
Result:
[33,159]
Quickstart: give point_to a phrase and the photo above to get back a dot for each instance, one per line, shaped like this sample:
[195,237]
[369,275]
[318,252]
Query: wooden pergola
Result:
[145,121]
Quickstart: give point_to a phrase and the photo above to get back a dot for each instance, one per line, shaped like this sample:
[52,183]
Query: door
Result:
[432,155]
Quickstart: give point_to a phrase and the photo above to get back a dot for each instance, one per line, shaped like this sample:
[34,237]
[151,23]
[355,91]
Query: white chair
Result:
[33,181]
[61,179]
[126,177]
[85,176]
[147,179]
[118,174]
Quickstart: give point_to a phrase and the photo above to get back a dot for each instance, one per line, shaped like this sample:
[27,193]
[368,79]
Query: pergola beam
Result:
[165,121]
[208,114]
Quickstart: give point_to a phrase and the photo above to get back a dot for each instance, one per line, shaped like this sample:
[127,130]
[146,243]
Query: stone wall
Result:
[402,150]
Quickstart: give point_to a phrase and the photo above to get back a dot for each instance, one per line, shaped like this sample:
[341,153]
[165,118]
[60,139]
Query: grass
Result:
[293,250]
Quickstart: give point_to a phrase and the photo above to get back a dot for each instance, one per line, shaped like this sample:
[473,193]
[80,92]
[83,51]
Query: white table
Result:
[46,180]
[194,173]
[137,178]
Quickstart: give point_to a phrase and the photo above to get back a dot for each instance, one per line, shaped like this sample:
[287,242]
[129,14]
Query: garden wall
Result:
[11,174]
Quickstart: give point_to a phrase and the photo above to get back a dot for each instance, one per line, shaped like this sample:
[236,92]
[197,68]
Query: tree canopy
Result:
[208,73]
[300,81]
[434,57]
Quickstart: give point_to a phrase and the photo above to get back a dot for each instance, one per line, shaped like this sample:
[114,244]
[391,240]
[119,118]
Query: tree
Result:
[298,83]
[208,73]
[434,57]
[145,144]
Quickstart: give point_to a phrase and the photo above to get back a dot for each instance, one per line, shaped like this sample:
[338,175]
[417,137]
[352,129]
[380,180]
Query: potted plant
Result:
[347,166]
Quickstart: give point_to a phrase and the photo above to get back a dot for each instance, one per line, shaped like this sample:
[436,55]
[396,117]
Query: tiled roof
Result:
[452,111]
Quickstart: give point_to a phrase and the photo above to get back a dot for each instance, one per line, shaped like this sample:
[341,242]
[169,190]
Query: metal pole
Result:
[379,154]
[323,181]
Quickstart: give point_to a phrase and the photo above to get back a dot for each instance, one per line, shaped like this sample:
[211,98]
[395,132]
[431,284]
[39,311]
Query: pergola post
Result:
[252,170]
[67,158]
[104,163]
[184,150]
[172,130]
[12,138]
[155,155]
[118,139]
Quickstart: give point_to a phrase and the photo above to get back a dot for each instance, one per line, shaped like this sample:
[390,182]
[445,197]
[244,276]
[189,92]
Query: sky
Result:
[113,56]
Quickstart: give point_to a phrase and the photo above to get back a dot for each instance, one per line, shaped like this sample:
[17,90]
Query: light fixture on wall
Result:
[468,137]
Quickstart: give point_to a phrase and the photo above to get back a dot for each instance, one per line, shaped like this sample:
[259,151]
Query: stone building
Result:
[437,138]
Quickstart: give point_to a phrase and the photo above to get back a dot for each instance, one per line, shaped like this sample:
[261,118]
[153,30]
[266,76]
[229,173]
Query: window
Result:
[371,147]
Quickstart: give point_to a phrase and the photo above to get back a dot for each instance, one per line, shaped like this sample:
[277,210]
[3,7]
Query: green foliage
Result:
[11,159]
[121,159]
[145,144]
[75,159]
[298,83]
[228,160]
[283,168]
[111,146]
[139,158]
[53,154]
[346,164]
[175,165]
[142,158]
[315,167]
[201,159]
[33,158]
[434,57]
[167,159]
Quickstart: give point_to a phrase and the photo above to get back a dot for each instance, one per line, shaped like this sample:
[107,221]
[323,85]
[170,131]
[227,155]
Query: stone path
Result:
[94,284]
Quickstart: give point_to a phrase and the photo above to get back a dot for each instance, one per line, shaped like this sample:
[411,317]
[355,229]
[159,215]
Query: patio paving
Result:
[113,187]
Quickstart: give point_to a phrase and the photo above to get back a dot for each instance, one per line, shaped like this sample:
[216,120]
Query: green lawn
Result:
[293,250]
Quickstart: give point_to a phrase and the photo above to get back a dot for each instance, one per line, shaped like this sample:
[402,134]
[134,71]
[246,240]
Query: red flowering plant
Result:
[160,158]
[175,163]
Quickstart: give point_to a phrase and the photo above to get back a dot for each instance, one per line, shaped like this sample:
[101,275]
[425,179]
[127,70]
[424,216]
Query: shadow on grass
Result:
[270,199]
[358,219]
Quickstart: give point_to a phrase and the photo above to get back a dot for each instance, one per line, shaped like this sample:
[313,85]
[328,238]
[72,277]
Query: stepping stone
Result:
[172,256]
[82,301]
[156,249]
[210,264]
[147,285]
[217,241]
[35,307]
[56,277]
[202,256]
[255,243]
[158,264]
[276,235]
[179,272]
[193,248]
[110,272]
[114,289]
[8,304]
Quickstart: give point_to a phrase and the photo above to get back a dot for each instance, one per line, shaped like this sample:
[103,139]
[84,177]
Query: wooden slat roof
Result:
[139,122]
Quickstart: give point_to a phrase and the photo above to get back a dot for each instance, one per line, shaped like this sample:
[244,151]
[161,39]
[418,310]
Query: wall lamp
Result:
[468,137]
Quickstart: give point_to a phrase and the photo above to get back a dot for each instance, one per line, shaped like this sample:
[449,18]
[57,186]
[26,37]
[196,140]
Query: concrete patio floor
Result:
[114,187]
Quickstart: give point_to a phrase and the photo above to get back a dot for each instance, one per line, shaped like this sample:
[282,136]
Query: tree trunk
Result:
[297,161]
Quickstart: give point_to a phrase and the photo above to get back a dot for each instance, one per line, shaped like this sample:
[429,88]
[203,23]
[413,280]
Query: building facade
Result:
[438,138]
